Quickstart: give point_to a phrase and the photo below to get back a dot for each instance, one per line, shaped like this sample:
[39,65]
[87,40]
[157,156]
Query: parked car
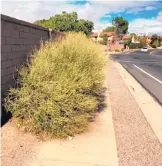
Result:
[144,49]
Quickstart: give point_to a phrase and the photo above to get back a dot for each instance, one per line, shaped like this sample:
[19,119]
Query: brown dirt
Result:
[18,148]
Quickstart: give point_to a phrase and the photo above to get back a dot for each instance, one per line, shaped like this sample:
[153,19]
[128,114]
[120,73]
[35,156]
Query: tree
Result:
[104,41]
[84,26]
[155,44]
[109,29]
[142,40]
[135,36]
[155,41]
[66,22]
[120,25]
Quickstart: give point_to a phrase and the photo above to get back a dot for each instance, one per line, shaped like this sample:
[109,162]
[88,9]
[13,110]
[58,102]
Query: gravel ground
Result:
[18,148]
[137,145]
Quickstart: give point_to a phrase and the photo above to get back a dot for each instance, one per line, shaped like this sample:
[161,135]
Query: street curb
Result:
[149,107]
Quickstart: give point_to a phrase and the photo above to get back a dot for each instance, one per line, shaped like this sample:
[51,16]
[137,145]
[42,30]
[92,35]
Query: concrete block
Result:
[24,35]
[4,89]
[8,71]
[19,48]
[27,29]
[14,41]
[6,64]
[17,27]
[29,41]
[33,30]
[10,33]
[37,41]
[4,56]
[6,78]
[11,70]
[31,47]
[6,48]
[15,62]
[4,72]
[11,55]
[3,40]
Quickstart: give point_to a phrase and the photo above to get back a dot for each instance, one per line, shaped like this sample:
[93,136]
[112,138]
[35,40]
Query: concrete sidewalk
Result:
[126,133]
[97,147]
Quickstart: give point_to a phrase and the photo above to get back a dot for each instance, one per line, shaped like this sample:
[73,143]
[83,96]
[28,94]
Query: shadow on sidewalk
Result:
[5,116]
[101,98]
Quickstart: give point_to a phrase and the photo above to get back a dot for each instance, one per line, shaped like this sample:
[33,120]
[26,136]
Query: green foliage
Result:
[59,90]
[121,25]
[135,45]
[66,22]
[135,36]
[126,41]
[109,29]
[155,44]
[104,41]
[142,40]
[155,41]
[117,50]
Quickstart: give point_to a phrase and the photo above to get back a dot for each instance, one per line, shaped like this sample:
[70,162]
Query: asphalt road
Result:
[145,68]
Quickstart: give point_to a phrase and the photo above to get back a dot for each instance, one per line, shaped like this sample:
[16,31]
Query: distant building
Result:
[98,36]
[134,41]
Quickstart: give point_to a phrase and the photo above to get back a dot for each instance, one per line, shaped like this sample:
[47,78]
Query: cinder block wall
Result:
[17,40]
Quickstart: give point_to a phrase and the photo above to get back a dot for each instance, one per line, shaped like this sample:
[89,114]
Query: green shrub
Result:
[60,88]
[103,42]
[117,50]
[135,45]
[155,44]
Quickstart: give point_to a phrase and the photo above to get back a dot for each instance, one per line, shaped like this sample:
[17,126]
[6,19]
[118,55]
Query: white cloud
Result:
[147,26]
[139,9]
[150,8]
[35,10]
[159,17]
[100,26]
[91,10]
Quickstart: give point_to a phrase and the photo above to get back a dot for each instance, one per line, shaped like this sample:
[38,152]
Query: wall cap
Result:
[21,22]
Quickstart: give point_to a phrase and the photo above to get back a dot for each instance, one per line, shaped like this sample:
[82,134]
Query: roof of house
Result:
[126,37]
[149,37]
[102,34]
[107,33]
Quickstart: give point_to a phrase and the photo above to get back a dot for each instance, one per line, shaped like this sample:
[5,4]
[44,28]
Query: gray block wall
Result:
[17,40]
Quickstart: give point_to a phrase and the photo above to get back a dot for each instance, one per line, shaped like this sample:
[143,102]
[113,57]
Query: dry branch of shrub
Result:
[59,90]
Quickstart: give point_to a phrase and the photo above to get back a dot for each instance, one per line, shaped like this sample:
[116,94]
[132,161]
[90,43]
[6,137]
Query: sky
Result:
[143,16]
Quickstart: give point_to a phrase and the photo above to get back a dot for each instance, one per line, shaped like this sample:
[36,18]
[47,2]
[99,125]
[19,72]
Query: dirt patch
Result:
[18,148]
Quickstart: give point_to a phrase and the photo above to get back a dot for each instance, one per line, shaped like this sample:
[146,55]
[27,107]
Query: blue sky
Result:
[143,16]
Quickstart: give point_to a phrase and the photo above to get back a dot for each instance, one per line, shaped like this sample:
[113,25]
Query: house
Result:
[113,41]
[98,36]
[148,40]
[126,37]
